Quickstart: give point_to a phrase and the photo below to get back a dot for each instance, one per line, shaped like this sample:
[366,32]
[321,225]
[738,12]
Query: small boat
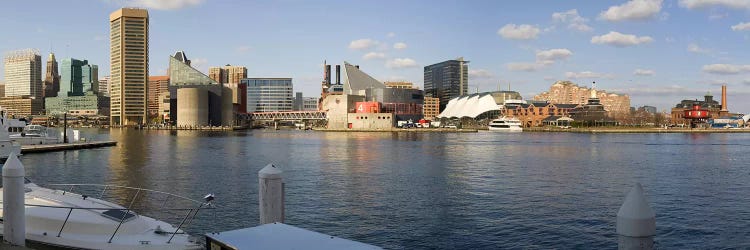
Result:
[36,135]
[505,124]
[61,218]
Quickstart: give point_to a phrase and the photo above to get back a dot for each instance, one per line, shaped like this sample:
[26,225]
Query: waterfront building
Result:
[430,107]
[129,66]
[714,108]
[77,95]
[196,99]
[23,74]
[309,104]
[538,113]
[593,113]
[51,83]
[480,105]
[269,94]
[446,80]
[649,109]
[22,106]
[566,92]
[230,76]
[156,86]
[399,85]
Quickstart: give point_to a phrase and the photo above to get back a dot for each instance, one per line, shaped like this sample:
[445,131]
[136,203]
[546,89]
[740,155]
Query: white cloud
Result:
[390,34]
[523,66]
[243,49]
[726,69]
[399,63]
[699,4]
[574,21]
[586,74]
[399,46]
[480,74]
[644,72]
[547,57]
[519,32]
[741,27]
[163,4]
[618,39]
[363,44]
[697,49]
[632,10]
[373,55]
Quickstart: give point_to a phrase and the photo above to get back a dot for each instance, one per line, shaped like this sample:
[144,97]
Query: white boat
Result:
[61,218]
[7,146]
[507,124]
[36,135]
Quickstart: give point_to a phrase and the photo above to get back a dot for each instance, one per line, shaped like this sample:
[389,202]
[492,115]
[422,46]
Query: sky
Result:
[657,51]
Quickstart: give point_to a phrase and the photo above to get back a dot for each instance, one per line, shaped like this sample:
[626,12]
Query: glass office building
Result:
[269,94]
[446,80]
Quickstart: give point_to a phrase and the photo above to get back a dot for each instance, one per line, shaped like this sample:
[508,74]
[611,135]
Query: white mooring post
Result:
[14,210]
[270,195]
[636,221]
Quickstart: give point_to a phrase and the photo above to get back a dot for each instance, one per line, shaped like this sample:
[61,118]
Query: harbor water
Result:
[436,190]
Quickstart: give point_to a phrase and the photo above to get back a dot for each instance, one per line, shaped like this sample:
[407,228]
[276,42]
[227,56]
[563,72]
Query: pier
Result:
[29,149]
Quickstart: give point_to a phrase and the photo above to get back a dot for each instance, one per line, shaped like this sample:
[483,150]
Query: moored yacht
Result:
[36,135]
[506,124]
[65,219]
[7,146]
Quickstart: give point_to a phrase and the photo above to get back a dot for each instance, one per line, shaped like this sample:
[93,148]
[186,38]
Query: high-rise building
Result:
[230,76]
[2,89]
[104,86]
[71,81]
[129,66]
[269,94]
[23,74]
[51,78]
[446,80]
[156,86]
[76,95]
[90,78]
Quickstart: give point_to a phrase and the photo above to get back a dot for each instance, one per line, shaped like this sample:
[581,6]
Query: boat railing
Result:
[193,207]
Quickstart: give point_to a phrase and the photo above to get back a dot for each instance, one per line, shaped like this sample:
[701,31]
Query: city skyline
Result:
[639,48]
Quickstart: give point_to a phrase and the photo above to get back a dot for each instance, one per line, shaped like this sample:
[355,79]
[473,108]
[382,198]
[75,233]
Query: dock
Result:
[30,149]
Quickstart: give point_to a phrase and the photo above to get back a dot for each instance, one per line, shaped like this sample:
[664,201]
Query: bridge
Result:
[289,116]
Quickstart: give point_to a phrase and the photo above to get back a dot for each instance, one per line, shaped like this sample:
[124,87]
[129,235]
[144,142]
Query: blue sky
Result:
[658,52]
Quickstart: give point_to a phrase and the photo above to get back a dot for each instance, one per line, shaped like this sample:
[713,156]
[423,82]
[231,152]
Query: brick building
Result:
[532,115]
[566,92]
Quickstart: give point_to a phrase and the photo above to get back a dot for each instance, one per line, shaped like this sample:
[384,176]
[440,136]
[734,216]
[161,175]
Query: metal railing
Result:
[191,212]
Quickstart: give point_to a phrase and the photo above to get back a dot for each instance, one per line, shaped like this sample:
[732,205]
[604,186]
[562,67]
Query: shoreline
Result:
[636,130]
[401,130]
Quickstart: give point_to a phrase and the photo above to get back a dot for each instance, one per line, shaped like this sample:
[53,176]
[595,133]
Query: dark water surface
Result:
[438,191]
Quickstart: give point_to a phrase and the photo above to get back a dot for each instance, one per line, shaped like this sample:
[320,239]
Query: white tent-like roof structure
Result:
[469,106]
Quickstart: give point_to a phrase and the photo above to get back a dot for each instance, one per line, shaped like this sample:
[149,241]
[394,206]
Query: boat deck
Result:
[29,149]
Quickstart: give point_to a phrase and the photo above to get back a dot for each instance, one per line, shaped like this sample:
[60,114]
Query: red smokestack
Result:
[724,98]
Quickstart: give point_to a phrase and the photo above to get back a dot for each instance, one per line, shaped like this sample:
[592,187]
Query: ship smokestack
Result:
[724,98]
[338,74]
[328,74]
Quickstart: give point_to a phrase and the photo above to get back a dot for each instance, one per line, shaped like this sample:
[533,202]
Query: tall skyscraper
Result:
[446,80]
[23,74]
[90,78]
[129,66]
[51,78]
[71,82]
